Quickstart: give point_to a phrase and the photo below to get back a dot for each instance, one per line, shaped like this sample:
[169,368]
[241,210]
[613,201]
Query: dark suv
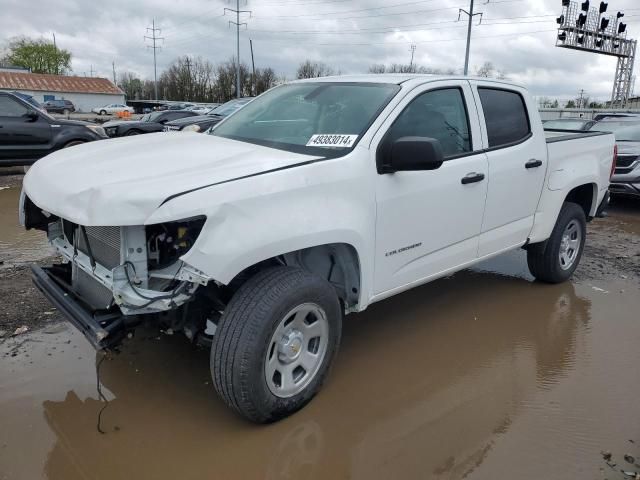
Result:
[27,134]
[59,106]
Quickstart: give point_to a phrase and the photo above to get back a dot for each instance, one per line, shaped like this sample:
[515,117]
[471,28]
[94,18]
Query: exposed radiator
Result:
[105,244]
[93,292]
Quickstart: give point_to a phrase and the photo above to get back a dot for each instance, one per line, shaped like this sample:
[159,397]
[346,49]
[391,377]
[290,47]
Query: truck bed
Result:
[553,135]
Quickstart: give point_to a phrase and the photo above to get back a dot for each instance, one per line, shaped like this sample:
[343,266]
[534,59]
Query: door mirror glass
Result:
[413,153]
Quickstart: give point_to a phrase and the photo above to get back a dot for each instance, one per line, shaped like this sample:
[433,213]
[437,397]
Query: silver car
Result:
[626,178]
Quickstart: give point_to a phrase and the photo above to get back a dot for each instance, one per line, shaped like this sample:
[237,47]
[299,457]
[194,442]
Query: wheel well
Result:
[338,263]
[583,196]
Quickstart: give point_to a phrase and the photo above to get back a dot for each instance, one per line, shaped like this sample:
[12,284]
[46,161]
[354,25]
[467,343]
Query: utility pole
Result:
[91,70]
[113,65]
[413,49]
[253,68]
[154,38]
[237,23]
[469,14]
[55,47]
[188,95]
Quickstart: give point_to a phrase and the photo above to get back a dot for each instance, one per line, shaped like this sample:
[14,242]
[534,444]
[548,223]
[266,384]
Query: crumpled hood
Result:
[123,181]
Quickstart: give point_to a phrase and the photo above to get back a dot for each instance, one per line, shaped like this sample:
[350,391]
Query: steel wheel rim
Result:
[296,350]
[570,244]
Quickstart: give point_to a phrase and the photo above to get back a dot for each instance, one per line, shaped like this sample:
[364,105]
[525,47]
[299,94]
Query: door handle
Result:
[533,163]
[472,177]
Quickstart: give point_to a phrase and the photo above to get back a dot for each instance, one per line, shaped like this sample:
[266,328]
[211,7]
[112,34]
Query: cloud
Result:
[517,36]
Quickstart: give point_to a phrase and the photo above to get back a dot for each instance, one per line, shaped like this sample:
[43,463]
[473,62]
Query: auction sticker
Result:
[332,140]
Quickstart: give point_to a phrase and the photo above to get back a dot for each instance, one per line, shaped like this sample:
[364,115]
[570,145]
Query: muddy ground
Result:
[483,375]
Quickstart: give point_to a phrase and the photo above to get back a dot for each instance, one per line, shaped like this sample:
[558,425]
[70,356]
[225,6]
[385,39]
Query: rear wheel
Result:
[133,132]
[102,112]
[275,343]
[555,260]
[73,143]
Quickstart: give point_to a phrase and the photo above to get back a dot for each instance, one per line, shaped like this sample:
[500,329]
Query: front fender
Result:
[257,218]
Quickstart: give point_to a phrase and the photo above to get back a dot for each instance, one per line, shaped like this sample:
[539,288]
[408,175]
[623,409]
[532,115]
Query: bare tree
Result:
[308,69]
[404,68]
[488,70]
[265,79]
[188,79]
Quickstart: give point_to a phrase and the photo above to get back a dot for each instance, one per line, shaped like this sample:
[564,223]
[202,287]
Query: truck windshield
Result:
[315,118]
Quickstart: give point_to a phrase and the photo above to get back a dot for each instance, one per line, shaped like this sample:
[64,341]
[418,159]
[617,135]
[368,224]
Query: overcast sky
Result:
[518,36]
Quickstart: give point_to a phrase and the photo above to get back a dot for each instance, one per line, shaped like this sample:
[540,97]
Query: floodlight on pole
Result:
[587,28]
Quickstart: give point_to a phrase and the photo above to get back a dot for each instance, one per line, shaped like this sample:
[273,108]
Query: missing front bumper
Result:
[103,329]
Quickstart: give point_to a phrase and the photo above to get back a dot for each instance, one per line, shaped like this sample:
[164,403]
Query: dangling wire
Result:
[101,396]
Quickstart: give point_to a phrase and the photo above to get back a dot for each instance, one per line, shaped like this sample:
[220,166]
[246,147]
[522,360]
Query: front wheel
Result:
[555,260]
[102,112]
[275,343]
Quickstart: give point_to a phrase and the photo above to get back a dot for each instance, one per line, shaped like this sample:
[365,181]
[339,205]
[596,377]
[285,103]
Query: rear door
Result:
[22,136]
[517,155]
[428,222]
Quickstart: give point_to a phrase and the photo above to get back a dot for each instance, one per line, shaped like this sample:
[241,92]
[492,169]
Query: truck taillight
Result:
[614,161]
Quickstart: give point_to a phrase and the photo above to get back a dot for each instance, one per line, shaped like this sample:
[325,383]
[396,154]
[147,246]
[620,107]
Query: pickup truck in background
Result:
[317,199]
[28,133]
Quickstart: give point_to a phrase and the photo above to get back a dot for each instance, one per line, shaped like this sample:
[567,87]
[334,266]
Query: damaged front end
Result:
[111,275]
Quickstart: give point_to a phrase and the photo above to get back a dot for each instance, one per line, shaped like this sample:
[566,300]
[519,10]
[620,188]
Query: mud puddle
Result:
[482,375]
[17,245]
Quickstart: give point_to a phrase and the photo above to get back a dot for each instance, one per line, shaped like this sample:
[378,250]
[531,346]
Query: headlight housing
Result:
[192,128]
[111,131]
[97,130]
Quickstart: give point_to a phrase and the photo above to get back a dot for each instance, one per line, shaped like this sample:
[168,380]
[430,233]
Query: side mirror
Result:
[411,154]
[31,115]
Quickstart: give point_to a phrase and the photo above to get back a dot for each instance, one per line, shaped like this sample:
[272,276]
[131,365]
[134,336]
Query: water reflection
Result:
[424,385]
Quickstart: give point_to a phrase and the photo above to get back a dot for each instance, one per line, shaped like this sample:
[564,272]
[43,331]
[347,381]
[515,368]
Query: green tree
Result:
[570,104]
[40,56]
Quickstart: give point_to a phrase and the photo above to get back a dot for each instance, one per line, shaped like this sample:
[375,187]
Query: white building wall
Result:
[84,102]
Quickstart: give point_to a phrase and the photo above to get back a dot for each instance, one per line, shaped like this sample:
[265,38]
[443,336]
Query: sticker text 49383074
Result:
[332,140]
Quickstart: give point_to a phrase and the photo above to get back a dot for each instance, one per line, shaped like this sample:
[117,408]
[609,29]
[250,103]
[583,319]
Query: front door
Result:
[21,136]
[428,222]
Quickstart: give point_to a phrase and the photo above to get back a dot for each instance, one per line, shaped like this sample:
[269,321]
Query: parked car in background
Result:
[315,200]
[575,124]
[27,133]
[626,177]
[203,109]
[203,122]
[112,109]
[59,106]
[602,116]
[149,123]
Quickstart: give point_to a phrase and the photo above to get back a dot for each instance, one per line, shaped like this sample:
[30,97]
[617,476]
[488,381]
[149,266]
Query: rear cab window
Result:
[505,115]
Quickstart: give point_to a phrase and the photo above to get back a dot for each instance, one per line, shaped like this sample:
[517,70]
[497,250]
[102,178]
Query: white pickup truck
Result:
[317,199]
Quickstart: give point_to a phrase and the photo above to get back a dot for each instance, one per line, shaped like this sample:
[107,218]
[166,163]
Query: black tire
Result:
[544,258]
[244,334]
[133,132]
[102,112]
[73,143]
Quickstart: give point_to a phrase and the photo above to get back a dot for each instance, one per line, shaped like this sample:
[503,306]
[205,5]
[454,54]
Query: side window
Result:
[505,115]
[439,114]
[10,108]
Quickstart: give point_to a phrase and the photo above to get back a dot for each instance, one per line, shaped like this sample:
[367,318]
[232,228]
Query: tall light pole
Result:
[469,14]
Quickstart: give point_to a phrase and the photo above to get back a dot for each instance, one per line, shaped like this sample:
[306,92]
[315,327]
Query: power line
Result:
[154,38]
[366,44]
